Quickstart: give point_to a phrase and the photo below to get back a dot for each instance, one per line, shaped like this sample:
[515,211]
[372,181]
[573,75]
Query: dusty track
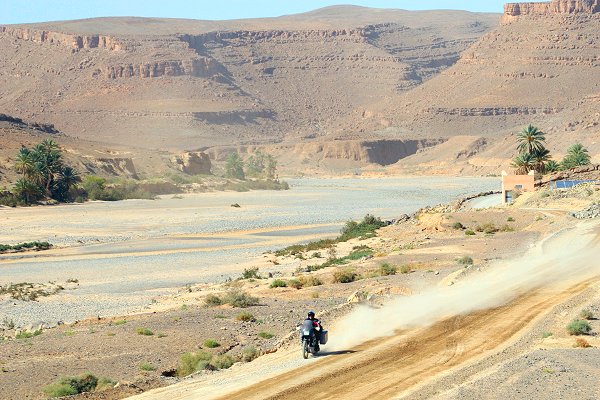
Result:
[385,368]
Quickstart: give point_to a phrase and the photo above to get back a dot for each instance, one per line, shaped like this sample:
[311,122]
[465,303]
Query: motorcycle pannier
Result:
[324,336]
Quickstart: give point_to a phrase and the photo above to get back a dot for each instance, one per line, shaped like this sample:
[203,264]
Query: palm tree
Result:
[541,157]
[576,155]
[523,163]
[530,139]
[24,162]
[26,190]
[551,166]
[234,167]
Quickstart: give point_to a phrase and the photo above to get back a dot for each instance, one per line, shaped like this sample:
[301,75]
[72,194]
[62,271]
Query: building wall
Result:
[521,183]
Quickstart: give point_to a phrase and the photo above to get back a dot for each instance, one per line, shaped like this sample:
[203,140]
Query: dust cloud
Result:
[562,260]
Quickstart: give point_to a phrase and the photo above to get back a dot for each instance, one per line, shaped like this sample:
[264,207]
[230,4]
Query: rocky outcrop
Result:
[199,67]
[65,39]
[116,166]
[512,10]
[192,163]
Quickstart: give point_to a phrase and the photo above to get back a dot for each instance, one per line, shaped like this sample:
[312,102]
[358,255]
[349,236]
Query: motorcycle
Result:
[308,337]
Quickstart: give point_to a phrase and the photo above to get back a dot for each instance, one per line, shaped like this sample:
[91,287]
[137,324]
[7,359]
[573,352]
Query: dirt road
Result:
[385,368]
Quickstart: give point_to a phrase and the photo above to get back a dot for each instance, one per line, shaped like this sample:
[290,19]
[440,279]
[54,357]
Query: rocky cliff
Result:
[512,10]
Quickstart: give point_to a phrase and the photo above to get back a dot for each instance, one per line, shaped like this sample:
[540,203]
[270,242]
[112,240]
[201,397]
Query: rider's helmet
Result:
[311,314]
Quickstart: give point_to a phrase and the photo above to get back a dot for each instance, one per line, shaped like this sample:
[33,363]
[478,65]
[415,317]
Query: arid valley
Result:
[176,195]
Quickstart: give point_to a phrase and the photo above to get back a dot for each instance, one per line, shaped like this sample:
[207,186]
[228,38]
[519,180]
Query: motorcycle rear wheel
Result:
[305,349]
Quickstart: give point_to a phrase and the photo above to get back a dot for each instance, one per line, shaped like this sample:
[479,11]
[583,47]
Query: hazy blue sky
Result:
[21,11]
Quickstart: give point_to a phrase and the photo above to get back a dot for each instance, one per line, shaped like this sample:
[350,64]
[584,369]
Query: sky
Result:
[24,11]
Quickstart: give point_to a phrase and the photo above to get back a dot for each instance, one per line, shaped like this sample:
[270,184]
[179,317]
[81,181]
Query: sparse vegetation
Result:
[579,327]
[250,273]
[406,269]
[212,300]
[278,283]
[507,228]
[26,291]
[310,280]
[386,269]
[582,343]
[144,332]
[365,228]
[547,335]
[510,219]
[72,385]
[120,322]
[193,362]
[250,353]
[211,343]
[239,299]
[457,226]
[469,232]
[487,228]
[265,335]
[148,367]
[35,246]
[28,334]
[223,361]
[245,316]
[465,260]
[345,276]
[295,283]
[586,314]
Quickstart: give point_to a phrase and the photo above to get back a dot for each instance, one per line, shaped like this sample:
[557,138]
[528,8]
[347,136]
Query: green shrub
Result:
[146,366]
[510,219]
[295,283]
[586,314]
[277,283]
[239,299]
[488,228]
[245,316]
[344,276]
[507,228]
[120,322]
[144,331]
[387,269]
[366,227]
[71,385]
[458,225]
[250,273]
[579,327]
[223,361]
[301,248]
[250,353]
[212,300]
[193,362]
[265,335]
[27,334]
[469,232]
[405,269]
[211,343]
[105,383]
[465,260]
[547,335]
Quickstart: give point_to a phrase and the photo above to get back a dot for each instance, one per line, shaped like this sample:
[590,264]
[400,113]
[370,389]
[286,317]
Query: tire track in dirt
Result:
[383,369]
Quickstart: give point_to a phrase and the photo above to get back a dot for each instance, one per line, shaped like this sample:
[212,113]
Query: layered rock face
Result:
[512,10]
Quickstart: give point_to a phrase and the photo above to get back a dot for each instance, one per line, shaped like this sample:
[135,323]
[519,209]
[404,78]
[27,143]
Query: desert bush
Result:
[580,342]
[211,343]
[488,228]
[357,254]
[245,316]
[71,385]
[193,362]
[309,280]
[27,334]
[212,300]
[586,314]
[312,246]
[546,335]
[465,260]
[469,232]
[458,225]
[223,361]
[579,327]
[405,269]
[250,353]
[365,228]
[344,276]
[507,228]
[510,219]
[387,269]
[239,299]
[146,366]
[265,335]
[250,273]
[277,283]
[144,332]
[295,283]
[120,322]
[105,383]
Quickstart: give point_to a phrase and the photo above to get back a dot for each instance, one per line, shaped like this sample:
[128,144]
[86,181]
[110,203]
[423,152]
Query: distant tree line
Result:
[533,156]
[258,165]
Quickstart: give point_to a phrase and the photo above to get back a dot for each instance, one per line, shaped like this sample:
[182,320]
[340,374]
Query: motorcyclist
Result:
[318,327]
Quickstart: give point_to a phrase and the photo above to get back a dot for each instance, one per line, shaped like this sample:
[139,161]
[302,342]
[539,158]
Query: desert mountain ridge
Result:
[335,89]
